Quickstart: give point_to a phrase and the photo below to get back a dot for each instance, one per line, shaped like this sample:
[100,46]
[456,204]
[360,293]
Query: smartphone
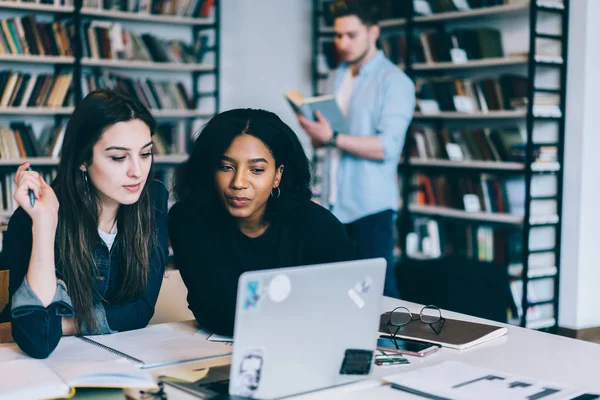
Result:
[406,346]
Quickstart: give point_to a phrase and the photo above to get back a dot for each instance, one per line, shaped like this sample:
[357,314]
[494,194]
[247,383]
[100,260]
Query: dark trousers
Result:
[374,237]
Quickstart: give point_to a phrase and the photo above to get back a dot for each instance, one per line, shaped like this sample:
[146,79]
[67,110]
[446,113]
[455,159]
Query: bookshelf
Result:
[534,226]
[193,28]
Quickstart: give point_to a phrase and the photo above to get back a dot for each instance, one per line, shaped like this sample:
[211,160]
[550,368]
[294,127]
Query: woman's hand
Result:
[45,210]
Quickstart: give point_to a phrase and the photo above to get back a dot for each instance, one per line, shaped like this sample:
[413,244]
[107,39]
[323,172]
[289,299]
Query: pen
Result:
[31,194]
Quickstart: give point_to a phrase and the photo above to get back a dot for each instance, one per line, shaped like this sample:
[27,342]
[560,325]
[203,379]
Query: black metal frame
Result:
[406,169]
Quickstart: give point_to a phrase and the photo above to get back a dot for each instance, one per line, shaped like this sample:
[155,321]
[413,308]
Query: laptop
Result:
[305,328]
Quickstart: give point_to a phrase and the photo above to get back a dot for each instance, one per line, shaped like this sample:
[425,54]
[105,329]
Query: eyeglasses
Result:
[430,315]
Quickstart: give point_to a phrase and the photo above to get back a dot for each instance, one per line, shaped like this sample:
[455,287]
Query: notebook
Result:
[158,345]
[35,379]
[327,105]
[456,334]
[150,347]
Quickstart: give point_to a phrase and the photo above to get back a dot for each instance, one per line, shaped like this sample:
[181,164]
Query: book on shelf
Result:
[18,141]
[502,144]
[24,36]
[29,90]
[180,8]
[537,291]
[108,40]
[326,105]
[170,138]
[154,94]
[433,239]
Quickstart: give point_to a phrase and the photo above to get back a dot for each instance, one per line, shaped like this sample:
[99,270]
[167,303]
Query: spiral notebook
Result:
[158,345]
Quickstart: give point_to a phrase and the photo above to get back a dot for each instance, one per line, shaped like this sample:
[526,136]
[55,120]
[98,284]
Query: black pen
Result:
[31,194]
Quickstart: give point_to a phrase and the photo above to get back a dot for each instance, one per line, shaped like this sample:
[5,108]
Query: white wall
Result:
[266,50]
[580,268]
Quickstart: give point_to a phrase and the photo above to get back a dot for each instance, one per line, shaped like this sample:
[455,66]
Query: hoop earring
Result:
[278,193]
[86,183]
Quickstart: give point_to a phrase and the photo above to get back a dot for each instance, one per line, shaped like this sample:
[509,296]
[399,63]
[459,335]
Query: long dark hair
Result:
[77,233]
[195,180]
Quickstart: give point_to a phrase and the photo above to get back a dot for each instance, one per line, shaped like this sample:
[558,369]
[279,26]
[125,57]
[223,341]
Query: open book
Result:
[35,379]
[327,105]
[456,334]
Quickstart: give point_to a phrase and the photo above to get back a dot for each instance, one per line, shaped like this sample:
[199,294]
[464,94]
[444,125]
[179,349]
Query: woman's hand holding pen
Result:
[45,210]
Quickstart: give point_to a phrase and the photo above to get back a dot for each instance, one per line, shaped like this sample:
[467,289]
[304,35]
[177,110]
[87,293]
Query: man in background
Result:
[361,184]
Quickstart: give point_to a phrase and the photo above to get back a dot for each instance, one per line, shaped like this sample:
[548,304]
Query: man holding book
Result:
[361,183]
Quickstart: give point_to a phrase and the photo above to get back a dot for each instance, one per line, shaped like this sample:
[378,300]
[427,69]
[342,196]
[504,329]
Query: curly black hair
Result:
[195,179]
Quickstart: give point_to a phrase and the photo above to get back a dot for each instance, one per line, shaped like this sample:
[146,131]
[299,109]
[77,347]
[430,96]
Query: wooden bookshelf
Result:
[516,271]
[35,59]
[147,65]
[145,17]
[447,212]
[170,159]
[487,165]
[34,161]
[495,11]
[496,218]
[46,8]
[483,63]
[181,114]
[36,110]
[508,114]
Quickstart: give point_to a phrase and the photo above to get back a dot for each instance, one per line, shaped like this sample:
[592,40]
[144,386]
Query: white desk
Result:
[524,352]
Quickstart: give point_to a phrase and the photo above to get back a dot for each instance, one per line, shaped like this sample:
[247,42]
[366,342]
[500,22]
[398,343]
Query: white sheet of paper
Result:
[160,345]
[30,379]
[104,374]
[457,380]
[219,338]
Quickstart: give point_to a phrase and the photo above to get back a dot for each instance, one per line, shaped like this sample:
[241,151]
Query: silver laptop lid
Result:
[305,328]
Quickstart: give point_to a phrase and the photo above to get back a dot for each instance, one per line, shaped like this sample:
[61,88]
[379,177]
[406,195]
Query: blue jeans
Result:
[374,237]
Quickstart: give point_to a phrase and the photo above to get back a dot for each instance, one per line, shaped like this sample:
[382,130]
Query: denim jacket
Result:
[38,329]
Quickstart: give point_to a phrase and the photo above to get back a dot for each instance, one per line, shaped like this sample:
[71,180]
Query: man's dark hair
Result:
[365,10]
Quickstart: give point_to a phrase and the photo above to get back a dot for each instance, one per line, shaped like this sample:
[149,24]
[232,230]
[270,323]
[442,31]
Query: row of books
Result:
[183,8]
[537,290]
[483,144]
[31,90]
[482,192]
[431,239]
[506,92]
[109,40]
[49,2]
[8,186]
[154,94]
[23,35]
[18,140]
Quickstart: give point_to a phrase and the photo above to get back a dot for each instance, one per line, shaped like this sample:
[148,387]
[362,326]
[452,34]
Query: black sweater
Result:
[211,255]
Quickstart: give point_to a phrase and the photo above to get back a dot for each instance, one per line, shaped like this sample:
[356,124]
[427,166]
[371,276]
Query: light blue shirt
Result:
[382,105]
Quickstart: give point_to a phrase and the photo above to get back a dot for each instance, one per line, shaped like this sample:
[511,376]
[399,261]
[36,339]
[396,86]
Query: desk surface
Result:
[524,352]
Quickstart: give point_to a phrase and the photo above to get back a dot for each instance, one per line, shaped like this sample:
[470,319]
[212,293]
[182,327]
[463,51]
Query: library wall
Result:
[580,274]
[266,50]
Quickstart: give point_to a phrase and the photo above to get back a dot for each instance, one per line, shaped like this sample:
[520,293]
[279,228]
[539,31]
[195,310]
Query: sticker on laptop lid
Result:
[279,288]
[356,362]
[253,294]
[245,377]
[359,292]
